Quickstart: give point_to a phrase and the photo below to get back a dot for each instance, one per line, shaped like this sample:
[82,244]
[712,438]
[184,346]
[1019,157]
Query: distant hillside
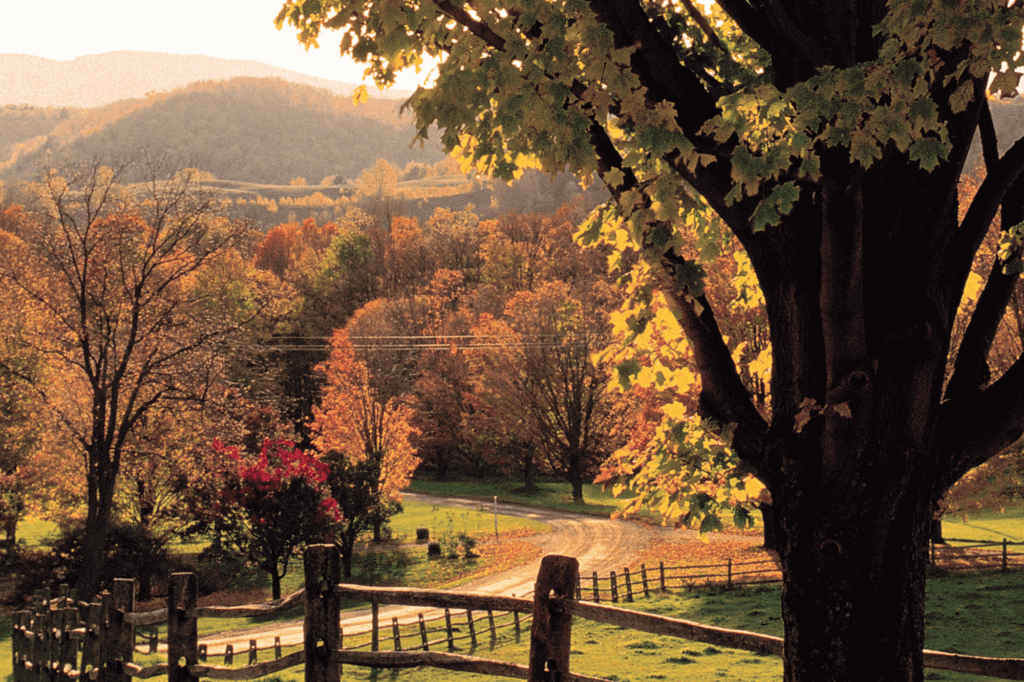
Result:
[258,130]
[95,80]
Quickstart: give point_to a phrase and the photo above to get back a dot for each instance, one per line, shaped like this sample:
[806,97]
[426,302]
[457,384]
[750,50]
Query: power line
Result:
[435,342]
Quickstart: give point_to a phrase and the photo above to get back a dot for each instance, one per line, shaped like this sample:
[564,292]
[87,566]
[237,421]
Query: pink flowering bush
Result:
[276,505]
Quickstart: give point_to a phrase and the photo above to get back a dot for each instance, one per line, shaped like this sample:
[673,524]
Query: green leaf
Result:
[626,370]
[864,149]
[710,523]
[765,215]
[928,152]
[742,518]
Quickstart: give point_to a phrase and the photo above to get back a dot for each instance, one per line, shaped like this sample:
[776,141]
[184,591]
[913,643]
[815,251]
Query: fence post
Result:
[69,647]
[551,630]
[374,626]
[396,634]
[615,588]
[229,654]
[472,629]
[661,570]
[253,652]
[448,628]
[629,584]
[37,645]
[17,642]
[423,633]
[728,578]
[643,578]
[321,627]
[122,633]
[277,647]
[91,646]
[490,622]
[182,628]
[1005,557]
[597,590]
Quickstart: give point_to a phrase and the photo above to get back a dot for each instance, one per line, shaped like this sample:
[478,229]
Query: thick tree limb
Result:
[723,395]
[971,371]
[656,64]
[989,144]
[983,209]
[810,50]
[751,22]
[973,429]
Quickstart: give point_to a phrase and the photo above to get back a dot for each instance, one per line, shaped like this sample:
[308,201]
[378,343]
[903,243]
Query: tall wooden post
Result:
[374,625]
[551,631]
[321,628]
[120,631]
[92,647]
[182,628]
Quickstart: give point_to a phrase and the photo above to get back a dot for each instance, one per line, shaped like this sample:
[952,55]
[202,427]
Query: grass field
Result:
[548,494]
[988,526]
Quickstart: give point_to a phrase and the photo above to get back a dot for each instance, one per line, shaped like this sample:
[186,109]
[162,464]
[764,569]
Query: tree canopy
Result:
[830,139]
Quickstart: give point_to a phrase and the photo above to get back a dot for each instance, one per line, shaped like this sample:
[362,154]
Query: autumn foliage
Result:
[355,420]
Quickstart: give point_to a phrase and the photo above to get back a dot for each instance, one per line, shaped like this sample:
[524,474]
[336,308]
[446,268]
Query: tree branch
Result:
[702,22]
[814,54]
[723,395]
[982,211]
[973,429]
[474,26]
[656,64]
[751,22]
[989,143]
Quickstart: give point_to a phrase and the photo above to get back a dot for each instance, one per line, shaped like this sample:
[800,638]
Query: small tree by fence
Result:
[60,640]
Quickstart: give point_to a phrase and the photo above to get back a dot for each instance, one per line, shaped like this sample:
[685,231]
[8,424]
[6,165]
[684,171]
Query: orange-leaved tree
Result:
[121,280]
[355,423]
[540,373]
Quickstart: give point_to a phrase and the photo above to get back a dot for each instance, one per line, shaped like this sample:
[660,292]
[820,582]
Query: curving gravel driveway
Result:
[600,544]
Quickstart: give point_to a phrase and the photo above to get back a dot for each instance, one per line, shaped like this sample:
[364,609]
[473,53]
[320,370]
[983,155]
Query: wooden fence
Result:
[60,640]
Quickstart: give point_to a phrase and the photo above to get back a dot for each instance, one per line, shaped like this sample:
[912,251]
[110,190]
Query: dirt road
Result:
[600,544]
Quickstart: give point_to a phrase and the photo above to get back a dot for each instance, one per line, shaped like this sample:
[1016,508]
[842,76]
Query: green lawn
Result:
[549,494]
[440,519]
[986,526]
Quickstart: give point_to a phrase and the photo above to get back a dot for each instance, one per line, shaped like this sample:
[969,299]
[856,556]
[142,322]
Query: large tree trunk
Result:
[275,585]
[529,485]
[853,590]
[577,489]
[94,538]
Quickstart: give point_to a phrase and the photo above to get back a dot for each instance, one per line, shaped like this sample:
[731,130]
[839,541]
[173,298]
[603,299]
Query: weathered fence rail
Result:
[61,640]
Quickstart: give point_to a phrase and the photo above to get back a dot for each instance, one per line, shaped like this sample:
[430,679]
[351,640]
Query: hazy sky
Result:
[231,29]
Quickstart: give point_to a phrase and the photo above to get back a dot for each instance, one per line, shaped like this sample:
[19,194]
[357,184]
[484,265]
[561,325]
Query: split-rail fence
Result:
[61,640]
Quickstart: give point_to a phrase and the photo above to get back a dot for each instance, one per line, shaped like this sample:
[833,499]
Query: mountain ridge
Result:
[99,79]
[262,130]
